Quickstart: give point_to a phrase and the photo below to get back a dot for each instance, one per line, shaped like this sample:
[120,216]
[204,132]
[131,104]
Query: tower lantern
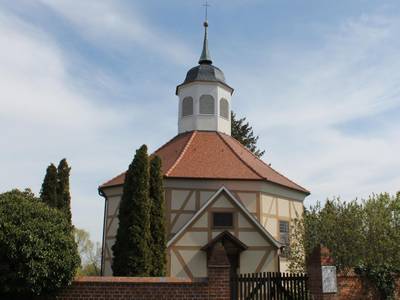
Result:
[204,96]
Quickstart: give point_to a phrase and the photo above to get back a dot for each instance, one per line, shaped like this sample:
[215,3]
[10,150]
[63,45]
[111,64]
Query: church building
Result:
[216,191]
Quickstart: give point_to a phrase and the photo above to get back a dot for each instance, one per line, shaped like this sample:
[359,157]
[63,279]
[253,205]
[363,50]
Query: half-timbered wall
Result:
[268,203]
[110,229]
[275,209]
[188,260]
[268,209]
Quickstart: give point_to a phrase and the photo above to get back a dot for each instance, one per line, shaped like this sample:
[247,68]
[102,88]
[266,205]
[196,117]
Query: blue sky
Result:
[93,80]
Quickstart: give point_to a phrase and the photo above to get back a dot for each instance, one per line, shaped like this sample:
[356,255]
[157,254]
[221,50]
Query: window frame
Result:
[182,105]
[228,109]
[284,241]
[202,97]
[213,226]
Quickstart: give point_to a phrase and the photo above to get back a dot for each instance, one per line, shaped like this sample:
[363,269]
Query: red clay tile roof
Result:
[212,155]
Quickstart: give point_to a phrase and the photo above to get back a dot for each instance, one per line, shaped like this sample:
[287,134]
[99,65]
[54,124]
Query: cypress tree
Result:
[63,195]
[48,192]
[132,256]
[157,218]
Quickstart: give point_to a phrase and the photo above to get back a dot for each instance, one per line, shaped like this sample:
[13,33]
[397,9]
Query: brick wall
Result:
[349,287]
[215,287]
[354,287]
[115,288]
[318,258]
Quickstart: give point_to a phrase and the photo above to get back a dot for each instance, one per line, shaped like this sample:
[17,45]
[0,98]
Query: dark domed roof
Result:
[204,72]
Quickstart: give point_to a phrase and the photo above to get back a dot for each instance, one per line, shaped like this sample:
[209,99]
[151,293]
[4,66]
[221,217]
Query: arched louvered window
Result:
[187,106]
[224,108]
[207,105]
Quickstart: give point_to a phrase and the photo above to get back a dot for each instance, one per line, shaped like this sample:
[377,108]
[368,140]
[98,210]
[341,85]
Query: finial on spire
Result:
[206,5]
[205,57]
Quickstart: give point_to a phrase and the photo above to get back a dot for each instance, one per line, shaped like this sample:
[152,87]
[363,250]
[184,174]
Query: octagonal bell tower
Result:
[204,97]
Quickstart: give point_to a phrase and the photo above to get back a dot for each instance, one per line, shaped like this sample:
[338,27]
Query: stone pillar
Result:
[318,262]
[219,274]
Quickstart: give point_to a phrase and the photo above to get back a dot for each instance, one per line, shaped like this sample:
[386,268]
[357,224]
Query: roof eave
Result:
[306,192]
[242,246]
[301,190]
[220,82]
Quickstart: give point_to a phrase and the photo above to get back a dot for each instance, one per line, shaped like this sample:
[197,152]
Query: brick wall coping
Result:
[350,274]
[355,276]
[112,279]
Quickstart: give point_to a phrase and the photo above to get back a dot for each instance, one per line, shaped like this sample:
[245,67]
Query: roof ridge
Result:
[154,153]
[193,134]
[241,159]
[267,165]
[170,141]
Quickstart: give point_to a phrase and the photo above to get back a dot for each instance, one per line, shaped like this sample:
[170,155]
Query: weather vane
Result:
[206,5]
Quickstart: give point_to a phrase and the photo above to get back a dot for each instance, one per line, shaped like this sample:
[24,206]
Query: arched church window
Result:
[224,108]
[187,106]
[207,105]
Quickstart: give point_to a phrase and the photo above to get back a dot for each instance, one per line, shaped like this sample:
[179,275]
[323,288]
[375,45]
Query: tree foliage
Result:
[381,260]
[63,194]
[131,250]
[157,219]
[89,252]
[38,254]
[55,188]
[363,236]
[243,132]
[48,193]
[336,225]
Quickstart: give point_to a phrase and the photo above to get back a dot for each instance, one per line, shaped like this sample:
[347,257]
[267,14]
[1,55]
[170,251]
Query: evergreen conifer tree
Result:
[243,132]
[63,194]
[48,193]
[157,219]
[132,255]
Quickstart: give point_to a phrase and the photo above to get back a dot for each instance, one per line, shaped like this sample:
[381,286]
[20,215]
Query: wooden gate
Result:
[269,286]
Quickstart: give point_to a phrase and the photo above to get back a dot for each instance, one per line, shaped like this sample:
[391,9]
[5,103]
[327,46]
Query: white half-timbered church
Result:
[216,191]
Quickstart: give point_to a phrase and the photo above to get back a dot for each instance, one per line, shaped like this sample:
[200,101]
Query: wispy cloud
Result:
[46,114]
[308,96]
[114,25]
[352,75]
[34,82]
[43,118]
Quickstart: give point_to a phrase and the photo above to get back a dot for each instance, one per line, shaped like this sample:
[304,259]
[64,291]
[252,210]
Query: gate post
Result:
[219,274]
[322,281]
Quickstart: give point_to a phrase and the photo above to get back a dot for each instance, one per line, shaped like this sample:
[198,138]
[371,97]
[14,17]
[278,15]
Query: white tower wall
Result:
[197,121]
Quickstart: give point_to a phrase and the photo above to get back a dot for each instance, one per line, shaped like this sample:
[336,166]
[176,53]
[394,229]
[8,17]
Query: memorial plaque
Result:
[329,284]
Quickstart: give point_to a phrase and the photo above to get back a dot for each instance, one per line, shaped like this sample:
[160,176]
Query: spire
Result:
[205,57]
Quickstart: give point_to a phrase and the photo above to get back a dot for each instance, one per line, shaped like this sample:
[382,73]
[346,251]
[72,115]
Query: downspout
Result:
[102,194]
[280,250]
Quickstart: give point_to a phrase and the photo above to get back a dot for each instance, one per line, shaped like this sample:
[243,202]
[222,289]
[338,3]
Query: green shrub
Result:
[363,236]
[38,254]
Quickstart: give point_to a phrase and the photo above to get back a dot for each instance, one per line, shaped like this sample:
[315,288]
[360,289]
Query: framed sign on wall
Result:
[329,282]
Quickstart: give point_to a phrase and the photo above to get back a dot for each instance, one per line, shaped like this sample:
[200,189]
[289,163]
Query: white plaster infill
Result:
[241,207]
